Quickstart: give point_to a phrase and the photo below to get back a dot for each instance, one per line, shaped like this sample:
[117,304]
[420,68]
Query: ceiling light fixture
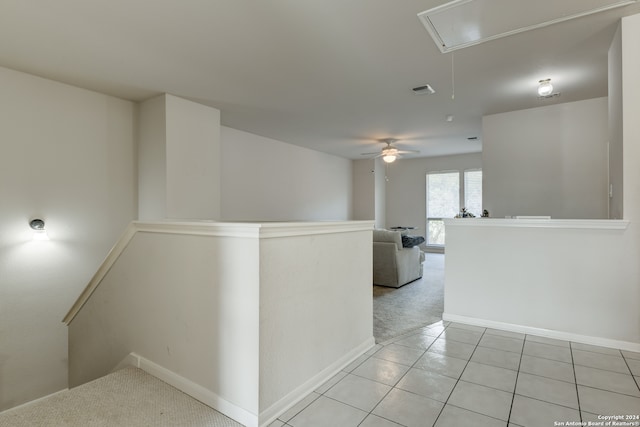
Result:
[545,88]
[389,155]
[39,232]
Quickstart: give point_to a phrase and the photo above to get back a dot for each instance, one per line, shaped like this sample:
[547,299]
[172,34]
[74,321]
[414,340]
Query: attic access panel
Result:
[463,23]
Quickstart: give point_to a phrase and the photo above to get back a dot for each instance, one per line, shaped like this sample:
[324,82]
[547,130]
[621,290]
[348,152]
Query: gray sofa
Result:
[394,265]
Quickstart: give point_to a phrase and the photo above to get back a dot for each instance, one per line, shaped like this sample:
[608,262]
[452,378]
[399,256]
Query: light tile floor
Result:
[451,374]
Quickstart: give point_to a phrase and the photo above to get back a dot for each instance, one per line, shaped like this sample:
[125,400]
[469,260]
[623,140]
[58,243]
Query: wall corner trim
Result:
[594,224]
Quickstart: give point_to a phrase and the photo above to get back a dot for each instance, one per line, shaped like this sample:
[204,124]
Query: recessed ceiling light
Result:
[421,90]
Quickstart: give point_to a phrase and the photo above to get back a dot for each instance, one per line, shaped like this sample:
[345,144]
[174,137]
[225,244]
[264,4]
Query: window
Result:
[473,191]
[443,201]
[445,197]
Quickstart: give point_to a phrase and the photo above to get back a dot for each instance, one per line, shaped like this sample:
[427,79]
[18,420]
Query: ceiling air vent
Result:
[463,23]
[421,90]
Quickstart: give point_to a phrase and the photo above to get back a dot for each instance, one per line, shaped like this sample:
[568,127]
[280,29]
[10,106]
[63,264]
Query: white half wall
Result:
[188,303]
[250,316]
[580,281]
[268,180]
[407,187]
[315,308]
[68,157]
[547,161]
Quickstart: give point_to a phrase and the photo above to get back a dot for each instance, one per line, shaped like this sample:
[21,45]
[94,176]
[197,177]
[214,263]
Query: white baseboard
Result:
[233,411]
[548,333]
[271,413]
[194,390]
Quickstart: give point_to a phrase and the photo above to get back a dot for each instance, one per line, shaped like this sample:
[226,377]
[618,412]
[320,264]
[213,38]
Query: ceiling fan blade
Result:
[407,151]
[371,154]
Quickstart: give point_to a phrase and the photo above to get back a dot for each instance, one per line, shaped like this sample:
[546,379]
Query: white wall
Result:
[370,190]
[188,303]
[574,282]
[406,188]
[631,129]
[547,161]
[380,193]
[69,157]
[179,156]
[615,126]
[578,284]
[364,189]
[152,158]
[221,309]
[193,154]
[268,180]
[309,327]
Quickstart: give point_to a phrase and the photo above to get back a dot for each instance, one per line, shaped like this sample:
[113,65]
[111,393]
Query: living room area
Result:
[549,272]
[545,176]
[405,191]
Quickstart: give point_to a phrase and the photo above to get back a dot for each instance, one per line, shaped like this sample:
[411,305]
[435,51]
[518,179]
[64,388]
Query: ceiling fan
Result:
[391,152]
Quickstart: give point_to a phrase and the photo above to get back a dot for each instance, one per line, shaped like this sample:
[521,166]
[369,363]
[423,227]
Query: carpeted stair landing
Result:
[129,397]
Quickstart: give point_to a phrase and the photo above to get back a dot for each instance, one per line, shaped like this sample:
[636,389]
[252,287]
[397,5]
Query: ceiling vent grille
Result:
[464,23]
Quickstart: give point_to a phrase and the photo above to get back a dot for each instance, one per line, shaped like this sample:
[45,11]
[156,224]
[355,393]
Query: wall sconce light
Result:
[39,232]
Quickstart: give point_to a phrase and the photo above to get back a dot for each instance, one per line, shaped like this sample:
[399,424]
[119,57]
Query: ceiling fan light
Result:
[545,87]
[389,154]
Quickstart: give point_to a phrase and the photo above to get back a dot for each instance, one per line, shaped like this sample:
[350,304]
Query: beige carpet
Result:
[418,303]
[129,397]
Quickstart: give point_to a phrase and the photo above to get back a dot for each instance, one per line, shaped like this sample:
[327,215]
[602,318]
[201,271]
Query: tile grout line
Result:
[575,382]
[414,363]
[458,380]
[603,370]
[459,377]
[515,385]
[575,377]
[633,377]
[468,360]
[393,387]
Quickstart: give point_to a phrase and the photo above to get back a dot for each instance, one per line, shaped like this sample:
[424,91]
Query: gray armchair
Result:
[394,265]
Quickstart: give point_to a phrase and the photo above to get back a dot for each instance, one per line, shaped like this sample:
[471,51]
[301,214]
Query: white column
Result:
[178,159]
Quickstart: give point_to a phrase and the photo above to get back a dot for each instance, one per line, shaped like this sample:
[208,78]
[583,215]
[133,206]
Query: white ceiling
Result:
[331,75]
